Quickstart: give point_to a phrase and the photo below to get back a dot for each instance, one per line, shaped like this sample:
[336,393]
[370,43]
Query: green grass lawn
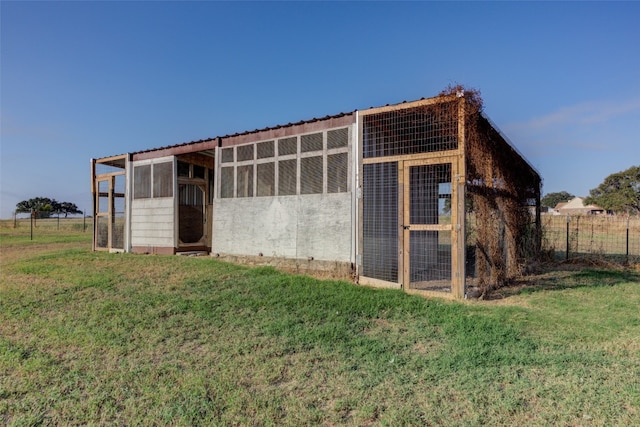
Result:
[98,338]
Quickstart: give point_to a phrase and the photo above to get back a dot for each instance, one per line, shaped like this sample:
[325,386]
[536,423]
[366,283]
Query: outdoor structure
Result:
[427,196]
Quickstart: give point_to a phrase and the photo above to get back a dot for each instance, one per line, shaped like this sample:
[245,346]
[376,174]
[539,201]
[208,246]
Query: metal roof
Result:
[301,122]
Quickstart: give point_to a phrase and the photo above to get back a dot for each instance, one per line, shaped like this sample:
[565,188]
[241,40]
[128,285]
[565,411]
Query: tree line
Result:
[619,192]
[44,207]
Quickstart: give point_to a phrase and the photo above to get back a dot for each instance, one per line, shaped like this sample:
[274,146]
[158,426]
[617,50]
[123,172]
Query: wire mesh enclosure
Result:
[407,194]
[429,165]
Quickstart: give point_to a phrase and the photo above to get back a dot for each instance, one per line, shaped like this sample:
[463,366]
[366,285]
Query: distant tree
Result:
[37,207]
[552,199]
[620,192]
[42,207]
[64,208]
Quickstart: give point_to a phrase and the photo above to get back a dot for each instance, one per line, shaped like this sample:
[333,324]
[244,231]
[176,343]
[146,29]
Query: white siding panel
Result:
[317,226]
[152,222]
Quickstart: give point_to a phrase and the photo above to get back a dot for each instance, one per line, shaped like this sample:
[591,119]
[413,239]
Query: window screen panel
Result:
[265,150]
[311,175]
[312,142]
[163,179]
[245,152]
[142,182]
[337,172]
[287,177]
[226,182]
[337,138]
[266,179]
[245,181]
[227,155]
[287,146]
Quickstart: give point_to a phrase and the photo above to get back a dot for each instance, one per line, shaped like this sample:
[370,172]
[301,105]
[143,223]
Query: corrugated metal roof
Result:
[301,122]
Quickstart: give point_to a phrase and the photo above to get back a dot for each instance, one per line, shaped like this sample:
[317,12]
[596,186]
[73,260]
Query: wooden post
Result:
[458,213]
[402,251]
[31,228]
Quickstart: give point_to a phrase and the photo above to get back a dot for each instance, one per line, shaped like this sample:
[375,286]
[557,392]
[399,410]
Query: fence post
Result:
[84,221]
[627,257]
[567,251]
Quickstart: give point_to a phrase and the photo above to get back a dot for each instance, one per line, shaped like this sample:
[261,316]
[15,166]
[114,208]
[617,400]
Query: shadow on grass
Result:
[561,276]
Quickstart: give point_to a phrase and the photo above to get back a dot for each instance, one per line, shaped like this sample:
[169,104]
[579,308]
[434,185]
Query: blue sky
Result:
[82,80]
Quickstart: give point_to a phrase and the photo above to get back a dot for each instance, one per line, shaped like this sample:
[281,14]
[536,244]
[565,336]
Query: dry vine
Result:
[502,190]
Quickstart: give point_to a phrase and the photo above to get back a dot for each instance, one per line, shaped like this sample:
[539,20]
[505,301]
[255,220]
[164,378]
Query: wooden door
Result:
[429,215]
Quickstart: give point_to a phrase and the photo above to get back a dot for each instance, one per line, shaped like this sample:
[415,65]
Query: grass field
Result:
[119,339]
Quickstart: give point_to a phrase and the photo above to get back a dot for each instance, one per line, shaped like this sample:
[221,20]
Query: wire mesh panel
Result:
[287,146]
[163,179]
[337,172]
[227,155]
[102,232]
[312,142]
[142,182]
[337,138]
[265,150]
[287,177]
[266,179]
[226,182]
[429,231]
[245,152]
[245,181]
[118,216]
[412,130]
[380,221]
[311,175]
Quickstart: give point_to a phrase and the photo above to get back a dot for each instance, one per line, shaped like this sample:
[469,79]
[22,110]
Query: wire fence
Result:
[53,224]
[589,237]
[604,237]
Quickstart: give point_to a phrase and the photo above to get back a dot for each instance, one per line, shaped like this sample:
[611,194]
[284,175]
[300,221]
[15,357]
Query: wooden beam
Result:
[407,105]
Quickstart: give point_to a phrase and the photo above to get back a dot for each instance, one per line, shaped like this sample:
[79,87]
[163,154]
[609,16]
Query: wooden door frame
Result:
[457,286]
